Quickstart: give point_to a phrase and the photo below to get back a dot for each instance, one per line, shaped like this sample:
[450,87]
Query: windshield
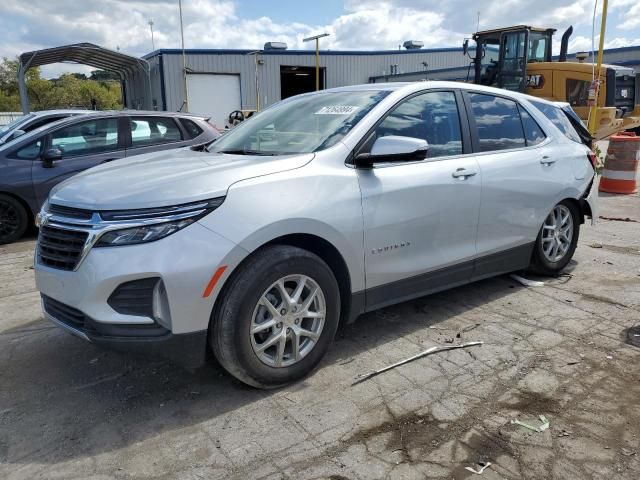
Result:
[16,122]
[301,125]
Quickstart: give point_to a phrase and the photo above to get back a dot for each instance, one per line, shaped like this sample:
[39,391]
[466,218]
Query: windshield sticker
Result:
[337,110]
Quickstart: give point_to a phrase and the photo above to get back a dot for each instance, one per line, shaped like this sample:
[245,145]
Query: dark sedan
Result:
[33,163]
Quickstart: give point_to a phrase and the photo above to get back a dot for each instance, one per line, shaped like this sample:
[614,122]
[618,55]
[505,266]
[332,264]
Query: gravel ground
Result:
[71,410]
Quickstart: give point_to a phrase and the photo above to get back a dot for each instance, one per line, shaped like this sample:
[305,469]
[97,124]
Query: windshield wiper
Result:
[240,151]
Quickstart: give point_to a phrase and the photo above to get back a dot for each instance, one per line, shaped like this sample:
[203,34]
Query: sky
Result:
[352,24]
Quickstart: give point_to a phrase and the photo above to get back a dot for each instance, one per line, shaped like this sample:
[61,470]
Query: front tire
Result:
[14,219]
[557,239]
[276,318]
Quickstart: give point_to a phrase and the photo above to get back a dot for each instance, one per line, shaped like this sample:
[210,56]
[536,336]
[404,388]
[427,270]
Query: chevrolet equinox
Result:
[321,207]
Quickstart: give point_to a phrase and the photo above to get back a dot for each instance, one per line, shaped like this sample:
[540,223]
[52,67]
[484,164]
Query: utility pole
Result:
[153,43]
[317,39]
[185,103]
[593,126]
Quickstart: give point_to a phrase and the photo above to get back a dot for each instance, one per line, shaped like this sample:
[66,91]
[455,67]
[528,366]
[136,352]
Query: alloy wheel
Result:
[288,320]
[9,220]
[557,233]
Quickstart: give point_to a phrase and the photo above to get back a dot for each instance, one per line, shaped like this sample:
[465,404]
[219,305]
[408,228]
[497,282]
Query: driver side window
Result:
[431,116]
[93,136]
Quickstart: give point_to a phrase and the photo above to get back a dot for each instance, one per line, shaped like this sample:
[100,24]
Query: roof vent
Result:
[582,56]
[413,44]
[275,46]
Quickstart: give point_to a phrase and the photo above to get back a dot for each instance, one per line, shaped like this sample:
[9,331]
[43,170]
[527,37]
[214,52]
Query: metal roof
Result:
[86,54]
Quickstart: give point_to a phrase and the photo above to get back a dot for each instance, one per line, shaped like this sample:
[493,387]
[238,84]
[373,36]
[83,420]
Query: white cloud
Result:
[365,24]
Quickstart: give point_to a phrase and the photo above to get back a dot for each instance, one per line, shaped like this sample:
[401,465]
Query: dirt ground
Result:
[71,410]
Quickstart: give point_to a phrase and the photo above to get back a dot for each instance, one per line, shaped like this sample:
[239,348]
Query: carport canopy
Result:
[89,54]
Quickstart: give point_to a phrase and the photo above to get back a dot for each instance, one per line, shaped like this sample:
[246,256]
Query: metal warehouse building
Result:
[221,81]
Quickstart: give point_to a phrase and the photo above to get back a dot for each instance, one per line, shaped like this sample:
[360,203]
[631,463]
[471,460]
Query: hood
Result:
[166,178]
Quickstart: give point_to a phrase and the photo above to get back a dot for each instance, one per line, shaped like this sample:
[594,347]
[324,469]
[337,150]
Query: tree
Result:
[69,90]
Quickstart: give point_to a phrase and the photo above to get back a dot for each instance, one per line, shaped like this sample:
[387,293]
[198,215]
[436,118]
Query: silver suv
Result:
[320,208]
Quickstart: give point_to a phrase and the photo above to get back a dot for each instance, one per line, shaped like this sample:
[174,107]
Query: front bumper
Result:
[185,263]
[187,349]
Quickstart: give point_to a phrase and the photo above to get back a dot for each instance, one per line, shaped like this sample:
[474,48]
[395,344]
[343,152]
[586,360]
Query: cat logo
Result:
[535,81]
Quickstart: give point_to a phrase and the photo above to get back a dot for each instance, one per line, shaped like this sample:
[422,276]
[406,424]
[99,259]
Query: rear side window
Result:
[431,116]
[191,127]
[498,122]
[153,131]
[559,119]
[532,131]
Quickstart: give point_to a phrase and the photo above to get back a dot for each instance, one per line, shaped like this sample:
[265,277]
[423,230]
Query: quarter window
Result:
[153,131]
[191,127]
[30,151]
[431,116]
[532,130]
[498,122]
[559,119]
[94,136]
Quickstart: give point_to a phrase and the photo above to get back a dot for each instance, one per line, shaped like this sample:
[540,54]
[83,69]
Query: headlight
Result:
[155,223]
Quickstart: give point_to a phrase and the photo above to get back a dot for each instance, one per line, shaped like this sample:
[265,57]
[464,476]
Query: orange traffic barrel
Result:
[621,165]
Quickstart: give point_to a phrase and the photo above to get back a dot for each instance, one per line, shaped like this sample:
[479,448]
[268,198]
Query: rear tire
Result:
[14,219]
[264,304]
[557,239]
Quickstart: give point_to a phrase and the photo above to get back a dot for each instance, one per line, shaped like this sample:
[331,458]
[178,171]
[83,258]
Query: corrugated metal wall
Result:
[342,68]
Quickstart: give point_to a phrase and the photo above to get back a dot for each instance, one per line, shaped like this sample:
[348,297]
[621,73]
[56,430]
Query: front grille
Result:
[60,248]
[64,313]
[134,298]
[69,212]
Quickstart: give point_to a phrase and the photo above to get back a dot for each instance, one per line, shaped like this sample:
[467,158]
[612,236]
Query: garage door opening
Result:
[214,94]
[297,80]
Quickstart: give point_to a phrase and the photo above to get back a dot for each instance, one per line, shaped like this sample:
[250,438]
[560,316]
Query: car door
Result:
[420,217]
[83,144]
[521,177]
[154,133]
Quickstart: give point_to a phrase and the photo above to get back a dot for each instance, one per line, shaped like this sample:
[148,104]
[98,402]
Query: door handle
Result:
[547,161]
[463,173]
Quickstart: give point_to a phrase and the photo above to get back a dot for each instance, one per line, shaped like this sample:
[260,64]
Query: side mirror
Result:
[465,46]
[17,133]
[394,149]
[50,156]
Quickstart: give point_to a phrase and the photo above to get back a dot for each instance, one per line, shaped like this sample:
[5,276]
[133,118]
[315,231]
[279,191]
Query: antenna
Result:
[478,22]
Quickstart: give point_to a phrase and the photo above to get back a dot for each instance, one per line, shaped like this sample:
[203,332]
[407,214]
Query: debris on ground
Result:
[429,351]
[596,245]
[564,433]
[482,467]
[526,282]
[618,219]
[628,452]
[573,362]
[466,329]
[540,429]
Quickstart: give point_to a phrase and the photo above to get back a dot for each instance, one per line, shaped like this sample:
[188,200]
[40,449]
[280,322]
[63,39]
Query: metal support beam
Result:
[22,84]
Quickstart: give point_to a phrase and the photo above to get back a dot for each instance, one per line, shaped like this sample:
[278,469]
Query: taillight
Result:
[593,159]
